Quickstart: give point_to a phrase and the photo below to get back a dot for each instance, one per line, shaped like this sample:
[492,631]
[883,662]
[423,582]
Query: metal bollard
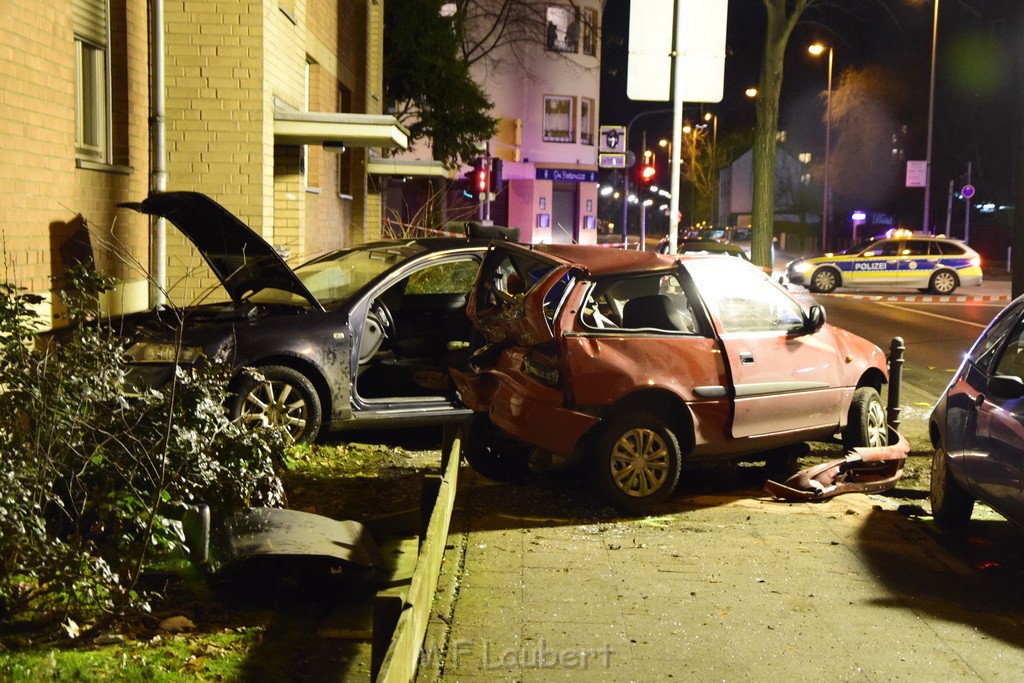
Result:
[896,352]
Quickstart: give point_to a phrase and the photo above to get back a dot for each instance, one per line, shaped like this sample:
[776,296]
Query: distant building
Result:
[793,187]
[546,95]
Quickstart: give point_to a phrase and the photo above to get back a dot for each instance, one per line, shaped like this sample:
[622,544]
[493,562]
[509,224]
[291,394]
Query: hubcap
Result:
[944,283]
[276,404]
[640,462]
[877,430]
[825,280]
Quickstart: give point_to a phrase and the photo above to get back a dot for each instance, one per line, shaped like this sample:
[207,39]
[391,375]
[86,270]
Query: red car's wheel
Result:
[637,462]
[866,425]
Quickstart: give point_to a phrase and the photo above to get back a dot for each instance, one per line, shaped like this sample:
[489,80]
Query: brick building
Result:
[260,98]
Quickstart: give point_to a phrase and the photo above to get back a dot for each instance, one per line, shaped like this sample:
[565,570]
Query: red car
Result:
[635,364]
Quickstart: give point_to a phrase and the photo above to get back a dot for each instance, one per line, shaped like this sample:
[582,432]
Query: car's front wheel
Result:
[943,282]
[491,453]
[281,397]
[824,280]
[951,505]
[866,425]
[637,462]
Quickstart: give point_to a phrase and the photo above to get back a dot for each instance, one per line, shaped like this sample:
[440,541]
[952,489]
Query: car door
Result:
[915,266]
[992,427]
[877,266]
[785,377]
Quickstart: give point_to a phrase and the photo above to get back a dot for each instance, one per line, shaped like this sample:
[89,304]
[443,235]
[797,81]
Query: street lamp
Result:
[816,50]
[931,120]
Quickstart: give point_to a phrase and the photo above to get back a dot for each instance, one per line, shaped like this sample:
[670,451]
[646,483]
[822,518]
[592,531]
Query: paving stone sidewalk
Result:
[540,584]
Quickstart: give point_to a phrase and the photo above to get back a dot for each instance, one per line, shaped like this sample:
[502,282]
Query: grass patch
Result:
[272,637]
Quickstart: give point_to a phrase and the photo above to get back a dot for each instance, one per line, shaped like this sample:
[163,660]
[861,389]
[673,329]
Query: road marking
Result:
[925,299]
[934,315]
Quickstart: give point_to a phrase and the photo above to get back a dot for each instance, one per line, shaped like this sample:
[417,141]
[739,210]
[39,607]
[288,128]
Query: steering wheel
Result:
[387,322]
[379,326]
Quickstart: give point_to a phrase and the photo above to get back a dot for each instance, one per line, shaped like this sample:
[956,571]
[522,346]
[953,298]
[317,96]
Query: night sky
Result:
[973,69]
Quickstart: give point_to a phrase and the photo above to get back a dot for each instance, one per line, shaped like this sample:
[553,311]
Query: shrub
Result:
[90,467]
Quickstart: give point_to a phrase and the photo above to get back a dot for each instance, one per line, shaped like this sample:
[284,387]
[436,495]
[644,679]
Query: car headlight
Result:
[163,352]
[801,267]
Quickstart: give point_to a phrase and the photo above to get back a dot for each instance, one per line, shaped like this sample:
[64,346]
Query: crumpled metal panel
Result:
[261,532]
[863,470]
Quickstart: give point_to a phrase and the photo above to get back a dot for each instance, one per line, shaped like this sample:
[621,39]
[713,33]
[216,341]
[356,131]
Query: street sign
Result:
[917,173]
[701,52]
[611,160]
[613,139]
[968,191]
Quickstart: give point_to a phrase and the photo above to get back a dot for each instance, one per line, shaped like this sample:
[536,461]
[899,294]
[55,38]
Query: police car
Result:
[899,259]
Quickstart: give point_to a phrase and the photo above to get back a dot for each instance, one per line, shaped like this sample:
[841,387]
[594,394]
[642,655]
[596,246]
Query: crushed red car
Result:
[635,365]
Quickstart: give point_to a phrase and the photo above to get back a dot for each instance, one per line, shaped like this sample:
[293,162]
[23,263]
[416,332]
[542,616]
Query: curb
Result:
[909,298]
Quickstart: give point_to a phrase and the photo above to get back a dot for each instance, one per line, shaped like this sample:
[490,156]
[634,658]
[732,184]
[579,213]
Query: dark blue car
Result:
[977,427]
[356,338]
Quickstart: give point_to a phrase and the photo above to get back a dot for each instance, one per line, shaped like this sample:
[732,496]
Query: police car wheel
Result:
[824,280]
[943,282]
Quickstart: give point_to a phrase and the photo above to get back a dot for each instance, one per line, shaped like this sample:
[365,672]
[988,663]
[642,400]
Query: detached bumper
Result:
[864,470]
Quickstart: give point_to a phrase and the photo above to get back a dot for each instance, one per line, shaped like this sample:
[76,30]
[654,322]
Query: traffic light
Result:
[481,176]
[496,168]
[647,173]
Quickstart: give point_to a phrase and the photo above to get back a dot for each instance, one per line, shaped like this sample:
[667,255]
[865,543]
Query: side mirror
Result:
[815,319]
[1006,386]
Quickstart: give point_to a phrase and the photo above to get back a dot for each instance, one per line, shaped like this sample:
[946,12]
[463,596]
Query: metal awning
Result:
[292,127]
[407,167]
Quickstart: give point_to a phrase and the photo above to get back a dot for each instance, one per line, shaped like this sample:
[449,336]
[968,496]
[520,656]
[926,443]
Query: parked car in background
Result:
[634,365]
[977,427]
[922,262]
[361,337]
[703,246]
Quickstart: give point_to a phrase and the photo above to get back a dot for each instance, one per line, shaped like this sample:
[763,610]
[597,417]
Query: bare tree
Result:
[782,17]
[501,33]
[868,108]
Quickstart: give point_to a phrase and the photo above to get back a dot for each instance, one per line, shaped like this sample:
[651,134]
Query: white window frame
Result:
[588,36]
[587,136]
[561,21]
[552,134]
[92,80]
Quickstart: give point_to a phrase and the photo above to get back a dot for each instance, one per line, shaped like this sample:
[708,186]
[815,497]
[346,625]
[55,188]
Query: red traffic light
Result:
[481,176]
[647,172]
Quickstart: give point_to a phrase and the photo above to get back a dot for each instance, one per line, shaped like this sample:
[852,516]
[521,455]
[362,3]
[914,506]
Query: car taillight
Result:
[542,368]
[976,261]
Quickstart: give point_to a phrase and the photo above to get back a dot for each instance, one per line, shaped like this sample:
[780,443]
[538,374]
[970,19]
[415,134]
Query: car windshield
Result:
[859,247]
[334,278]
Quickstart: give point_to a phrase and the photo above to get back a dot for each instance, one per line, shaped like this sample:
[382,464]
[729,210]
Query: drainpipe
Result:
[158,160]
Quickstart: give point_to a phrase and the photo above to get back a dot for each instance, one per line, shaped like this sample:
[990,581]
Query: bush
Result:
[91,467]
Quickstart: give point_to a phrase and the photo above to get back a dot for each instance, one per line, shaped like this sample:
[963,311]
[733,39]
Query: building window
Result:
[563,29]
[92,99]
[558,119]
[589,18]
[586,121]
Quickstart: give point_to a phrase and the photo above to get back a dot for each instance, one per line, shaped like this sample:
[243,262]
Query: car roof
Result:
[599,261]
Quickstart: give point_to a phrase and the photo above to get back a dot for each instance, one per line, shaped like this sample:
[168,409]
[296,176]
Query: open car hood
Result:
[242,260]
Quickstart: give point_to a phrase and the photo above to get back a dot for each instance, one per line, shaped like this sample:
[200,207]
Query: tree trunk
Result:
[779,27]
